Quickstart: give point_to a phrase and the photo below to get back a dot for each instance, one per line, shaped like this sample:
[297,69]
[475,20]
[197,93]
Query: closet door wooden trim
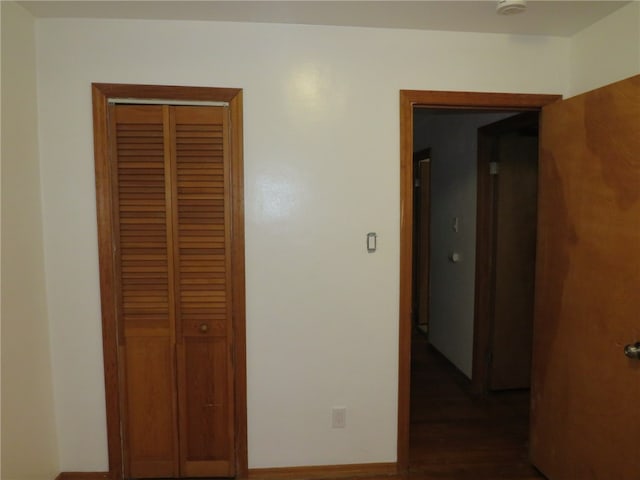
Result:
[107,233]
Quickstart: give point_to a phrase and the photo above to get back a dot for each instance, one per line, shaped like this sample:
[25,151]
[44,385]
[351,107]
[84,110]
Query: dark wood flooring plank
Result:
[456,435]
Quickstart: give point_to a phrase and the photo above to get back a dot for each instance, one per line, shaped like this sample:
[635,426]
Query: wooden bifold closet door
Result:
[170,184]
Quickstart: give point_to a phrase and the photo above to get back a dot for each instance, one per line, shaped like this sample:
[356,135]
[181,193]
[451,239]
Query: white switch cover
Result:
[339,417]
[372,240]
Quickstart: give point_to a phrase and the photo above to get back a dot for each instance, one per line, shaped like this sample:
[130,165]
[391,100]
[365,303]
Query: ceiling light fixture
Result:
[510,7]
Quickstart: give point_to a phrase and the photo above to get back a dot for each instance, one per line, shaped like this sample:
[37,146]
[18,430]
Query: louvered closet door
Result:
[146,292]
[202,217]
[171,185]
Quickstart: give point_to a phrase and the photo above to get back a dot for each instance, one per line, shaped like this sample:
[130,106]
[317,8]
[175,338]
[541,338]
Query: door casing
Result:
[431,99]
[102,92]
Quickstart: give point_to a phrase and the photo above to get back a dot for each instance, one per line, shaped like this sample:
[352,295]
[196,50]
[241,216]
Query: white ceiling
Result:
[555,18]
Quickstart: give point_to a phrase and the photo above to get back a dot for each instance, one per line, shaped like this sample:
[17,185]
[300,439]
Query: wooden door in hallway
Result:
[585,390]
[511,335]
[505,256]
[421,242]
[168,224]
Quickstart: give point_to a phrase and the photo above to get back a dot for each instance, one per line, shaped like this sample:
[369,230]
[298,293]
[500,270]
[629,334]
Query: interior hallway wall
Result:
[452,137]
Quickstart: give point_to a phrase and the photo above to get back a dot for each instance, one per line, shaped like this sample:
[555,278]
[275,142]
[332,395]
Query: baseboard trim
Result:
[318,472]
[83,476]
[324,471]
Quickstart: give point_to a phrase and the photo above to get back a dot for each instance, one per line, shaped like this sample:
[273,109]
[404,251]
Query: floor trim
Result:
[323,471]
[83,476]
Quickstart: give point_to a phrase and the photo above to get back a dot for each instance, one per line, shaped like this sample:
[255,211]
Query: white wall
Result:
[29,446]
[607,51]
[452,138]
[322,170]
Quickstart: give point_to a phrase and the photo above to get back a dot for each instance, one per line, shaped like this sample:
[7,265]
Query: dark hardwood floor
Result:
[456,435]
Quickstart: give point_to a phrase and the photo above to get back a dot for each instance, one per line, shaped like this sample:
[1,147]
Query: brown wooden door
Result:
[203,290]
[505,254]
[145,294]
[515,252]
[170,186]
[585,392]
[422,209]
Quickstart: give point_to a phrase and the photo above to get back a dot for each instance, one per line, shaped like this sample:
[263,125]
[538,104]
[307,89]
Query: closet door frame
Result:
[102,92]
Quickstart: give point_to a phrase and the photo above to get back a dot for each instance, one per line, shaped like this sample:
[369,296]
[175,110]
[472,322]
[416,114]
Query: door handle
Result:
[633,351]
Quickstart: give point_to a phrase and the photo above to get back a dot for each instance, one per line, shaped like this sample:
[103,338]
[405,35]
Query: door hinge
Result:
[494,168]
[416,183]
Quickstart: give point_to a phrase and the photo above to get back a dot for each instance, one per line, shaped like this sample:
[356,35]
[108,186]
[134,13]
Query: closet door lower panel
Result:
[150,392]
[205,403]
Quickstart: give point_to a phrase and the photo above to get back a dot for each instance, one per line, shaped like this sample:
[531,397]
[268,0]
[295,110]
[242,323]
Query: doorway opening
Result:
[446,409]
[438,360]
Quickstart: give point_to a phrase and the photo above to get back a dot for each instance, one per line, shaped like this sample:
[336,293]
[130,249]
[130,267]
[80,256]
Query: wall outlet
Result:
[338,417]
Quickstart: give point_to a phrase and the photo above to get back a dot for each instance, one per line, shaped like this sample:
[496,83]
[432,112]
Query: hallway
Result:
[457,436]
